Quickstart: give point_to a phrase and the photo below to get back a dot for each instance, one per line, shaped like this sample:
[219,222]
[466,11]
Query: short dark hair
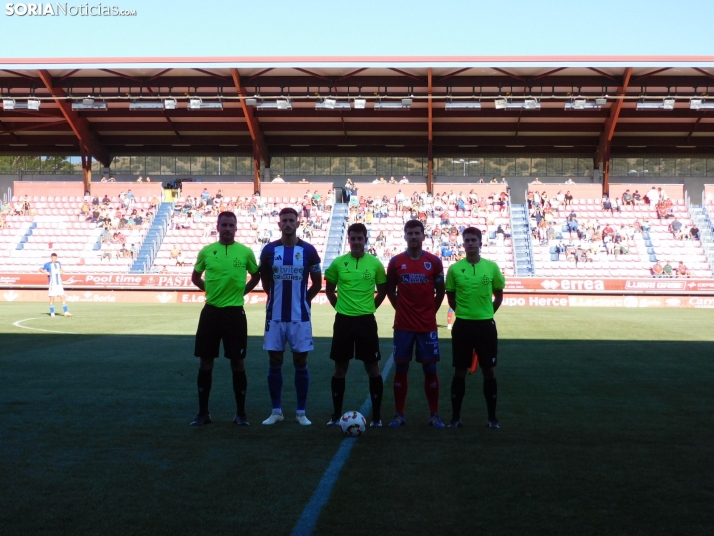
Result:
[414,223]
[473,231]
[53,255]
[226,214]
[288,210]
[357,228]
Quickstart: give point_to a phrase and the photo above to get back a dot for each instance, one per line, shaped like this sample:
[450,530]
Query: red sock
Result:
[401,386]
[431,388]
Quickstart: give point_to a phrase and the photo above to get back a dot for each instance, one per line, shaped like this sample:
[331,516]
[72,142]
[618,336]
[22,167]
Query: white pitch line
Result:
[17,324]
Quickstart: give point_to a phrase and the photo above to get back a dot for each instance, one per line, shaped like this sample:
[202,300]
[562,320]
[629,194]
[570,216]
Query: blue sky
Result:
[183,28]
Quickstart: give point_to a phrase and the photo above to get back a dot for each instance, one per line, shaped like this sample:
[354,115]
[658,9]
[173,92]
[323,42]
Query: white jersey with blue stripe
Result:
[54,278]
[285,273]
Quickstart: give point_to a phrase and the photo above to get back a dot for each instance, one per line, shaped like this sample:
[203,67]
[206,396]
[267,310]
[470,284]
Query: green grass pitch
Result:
[606,429]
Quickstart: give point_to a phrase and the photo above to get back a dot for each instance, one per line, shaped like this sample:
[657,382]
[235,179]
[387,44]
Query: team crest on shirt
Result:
[427,265]
[485,280]
[237,263]
[298,256]
[367,275]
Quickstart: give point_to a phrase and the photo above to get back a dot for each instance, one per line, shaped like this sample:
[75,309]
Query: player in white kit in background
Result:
[53,270]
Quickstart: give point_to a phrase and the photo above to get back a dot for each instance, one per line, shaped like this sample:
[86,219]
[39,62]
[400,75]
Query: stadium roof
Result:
[423,127]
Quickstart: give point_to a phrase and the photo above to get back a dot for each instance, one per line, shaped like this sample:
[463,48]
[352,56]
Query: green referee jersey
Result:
[474,285]
[355,280]
[226,268]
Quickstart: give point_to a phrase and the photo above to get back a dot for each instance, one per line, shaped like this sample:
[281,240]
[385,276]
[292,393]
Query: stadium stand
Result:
[193,223]
[611,237]
[86,236]
[444,215]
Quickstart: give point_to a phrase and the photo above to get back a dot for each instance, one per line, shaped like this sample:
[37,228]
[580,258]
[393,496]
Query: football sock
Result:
[240,385]
[431,389]
[64,307]
[376,390]
[401,387]
[302,385]
[338,394]
[458,388]
[490,392]
[275,387]
[52,309]
[205,379]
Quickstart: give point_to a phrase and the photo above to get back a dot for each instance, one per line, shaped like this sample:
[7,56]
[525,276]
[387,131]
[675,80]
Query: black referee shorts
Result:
[478,335]
[355,336]
[221,323]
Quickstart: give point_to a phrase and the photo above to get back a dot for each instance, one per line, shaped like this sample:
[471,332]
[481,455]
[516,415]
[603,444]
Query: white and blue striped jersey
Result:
[54,268]
[285,273]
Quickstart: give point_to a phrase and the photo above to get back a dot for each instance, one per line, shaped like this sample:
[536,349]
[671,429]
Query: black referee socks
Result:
[376,390]
[205,379]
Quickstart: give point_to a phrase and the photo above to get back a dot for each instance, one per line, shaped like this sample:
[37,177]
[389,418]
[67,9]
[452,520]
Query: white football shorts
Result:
[297,334]
[56,290]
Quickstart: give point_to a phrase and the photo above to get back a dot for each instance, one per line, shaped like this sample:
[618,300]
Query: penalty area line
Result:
[308,519]
[17,325]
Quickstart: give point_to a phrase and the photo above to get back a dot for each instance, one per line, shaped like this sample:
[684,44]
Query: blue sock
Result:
[302,385]
[275,386]
[64,307]
[52,309]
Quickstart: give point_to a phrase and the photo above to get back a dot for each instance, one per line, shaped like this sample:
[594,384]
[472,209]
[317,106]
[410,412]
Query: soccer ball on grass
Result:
[353,424]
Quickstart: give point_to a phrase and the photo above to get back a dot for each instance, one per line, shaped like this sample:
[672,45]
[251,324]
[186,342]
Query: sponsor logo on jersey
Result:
[414,278]
[278,258]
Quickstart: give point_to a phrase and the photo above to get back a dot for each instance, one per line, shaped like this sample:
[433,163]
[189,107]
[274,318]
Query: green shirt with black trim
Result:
[474,285]
[227,268]
[356,280]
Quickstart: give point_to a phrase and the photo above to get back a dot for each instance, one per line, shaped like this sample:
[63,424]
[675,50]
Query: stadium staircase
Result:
[701,218]
[521,237]
[336,235]
[153,240]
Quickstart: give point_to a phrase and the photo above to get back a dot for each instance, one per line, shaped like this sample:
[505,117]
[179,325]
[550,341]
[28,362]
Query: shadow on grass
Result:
[597,437]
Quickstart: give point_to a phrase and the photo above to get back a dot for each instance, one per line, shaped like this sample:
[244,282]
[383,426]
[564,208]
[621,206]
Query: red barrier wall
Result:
[74,188]
[230,189]
[709,194]
[578,191]
[674,191]
[139,189]
[293,189]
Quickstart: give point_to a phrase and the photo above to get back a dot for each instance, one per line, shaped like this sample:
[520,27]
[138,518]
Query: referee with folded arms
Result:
[226,264]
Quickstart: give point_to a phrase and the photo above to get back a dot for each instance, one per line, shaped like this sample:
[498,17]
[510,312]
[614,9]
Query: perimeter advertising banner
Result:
[515,285]
[509,300]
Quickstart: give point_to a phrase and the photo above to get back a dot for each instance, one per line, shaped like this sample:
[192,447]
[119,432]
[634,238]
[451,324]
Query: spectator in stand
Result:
[175,252]
[627,198]
[106,200]
[667,269]
[148,179]
[675,227]
[637,198]
[140,179]
[569,181]
[205,195]
[694,232]
[568,198]
[607,204]
[652,197]
[404,180]
[26,206]
[682,270]
[536,181]
[278,178]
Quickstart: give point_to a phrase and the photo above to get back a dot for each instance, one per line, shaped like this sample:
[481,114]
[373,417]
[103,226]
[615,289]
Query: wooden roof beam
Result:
[79,125]
[611,122]
[253,124]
